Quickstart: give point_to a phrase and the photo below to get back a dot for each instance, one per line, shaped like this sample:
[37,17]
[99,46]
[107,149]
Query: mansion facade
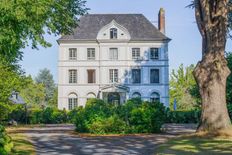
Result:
[113,57]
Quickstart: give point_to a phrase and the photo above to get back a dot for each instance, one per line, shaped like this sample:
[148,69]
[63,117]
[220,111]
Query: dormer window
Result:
[113,33]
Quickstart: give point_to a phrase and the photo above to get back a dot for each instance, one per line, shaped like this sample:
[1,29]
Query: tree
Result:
[53,102]
[10,80]
[27,20]
[45,77]
[183,88]
[33,93]
[229,80]
[212,71]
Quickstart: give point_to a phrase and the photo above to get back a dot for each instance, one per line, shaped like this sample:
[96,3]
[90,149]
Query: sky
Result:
[184,48]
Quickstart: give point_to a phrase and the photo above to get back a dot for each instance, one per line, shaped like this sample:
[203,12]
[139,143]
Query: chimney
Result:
[161,20]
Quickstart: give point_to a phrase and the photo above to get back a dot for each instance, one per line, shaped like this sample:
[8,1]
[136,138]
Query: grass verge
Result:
[22,146]
[199,144]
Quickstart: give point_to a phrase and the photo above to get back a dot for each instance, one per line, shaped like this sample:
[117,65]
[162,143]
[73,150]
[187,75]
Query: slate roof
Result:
[16,98]
[139,27]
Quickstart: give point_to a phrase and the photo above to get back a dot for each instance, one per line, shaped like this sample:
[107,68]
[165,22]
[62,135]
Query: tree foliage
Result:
[45,78]
[53,102]
[184,89]
[229,80]
[33,93]
[26,20]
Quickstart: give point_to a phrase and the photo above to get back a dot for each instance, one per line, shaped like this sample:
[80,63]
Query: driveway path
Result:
[57,140]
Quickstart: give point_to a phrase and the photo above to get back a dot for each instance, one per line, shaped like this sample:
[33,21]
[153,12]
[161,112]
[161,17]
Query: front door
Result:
[114,98]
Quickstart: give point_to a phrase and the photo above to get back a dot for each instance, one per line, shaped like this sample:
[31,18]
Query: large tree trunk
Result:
[212,72]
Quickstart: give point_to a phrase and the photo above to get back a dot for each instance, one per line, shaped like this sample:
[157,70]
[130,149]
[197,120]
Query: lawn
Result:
[22,146]
[195,144]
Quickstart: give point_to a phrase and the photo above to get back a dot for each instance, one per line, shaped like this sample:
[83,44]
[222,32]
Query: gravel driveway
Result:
[57,140]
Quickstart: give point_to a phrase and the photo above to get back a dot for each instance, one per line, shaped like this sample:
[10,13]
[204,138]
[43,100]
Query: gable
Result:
[122,32]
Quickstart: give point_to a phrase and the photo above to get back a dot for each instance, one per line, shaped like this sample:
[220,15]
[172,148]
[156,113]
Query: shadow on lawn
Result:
[196,145]
[22,146]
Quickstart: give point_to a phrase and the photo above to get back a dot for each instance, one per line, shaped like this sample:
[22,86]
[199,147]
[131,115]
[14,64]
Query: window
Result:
[91,76]
[136,76]
[72,101]
[113,55]
[154,76]
[154,53]
[135,53]
[90,95]
[113,33]
[136,95]
[73,76]
[72,54]
[155,97]
[113,75]
[91,53]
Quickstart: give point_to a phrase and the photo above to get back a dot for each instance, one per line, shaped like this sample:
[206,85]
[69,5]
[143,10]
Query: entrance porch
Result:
[114,94]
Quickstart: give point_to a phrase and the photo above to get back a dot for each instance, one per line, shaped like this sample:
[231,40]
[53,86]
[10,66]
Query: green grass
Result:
[194,144]
[22,146]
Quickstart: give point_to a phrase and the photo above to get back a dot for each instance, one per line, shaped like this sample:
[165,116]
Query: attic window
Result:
[113,33]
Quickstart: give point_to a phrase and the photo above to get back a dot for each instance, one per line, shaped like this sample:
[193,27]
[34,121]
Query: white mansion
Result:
[113,57]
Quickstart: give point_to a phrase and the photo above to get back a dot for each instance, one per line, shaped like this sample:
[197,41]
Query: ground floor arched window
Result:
[155,97]
[72,101]
[136,95]
[90,95]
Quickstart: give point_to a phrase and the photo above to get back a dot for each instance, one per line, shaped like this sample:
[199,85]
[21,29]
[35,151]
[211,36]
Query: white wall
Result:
[102,66]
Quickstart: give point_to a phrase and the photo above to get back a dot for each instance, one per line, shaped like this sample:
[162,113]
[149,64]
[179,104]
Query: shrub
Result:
[47,116]
[35,116]
[18,113]
[94,110]
[113,124]
[192,116]
[134,116]
[5,142]
[147,118]
[71,115]
[59,116]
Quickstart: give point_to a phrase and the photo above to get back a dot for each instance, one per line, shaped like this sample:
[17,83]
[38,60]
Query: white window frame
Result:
[91,53]
[113,33]
[113,53]
[72,103]
[136,55]
[154,57]
[72,53]
[72,76]
[113,75]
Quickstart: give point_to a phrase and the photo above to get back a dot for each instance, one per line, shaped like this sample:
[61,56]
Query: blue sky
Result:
[185,46]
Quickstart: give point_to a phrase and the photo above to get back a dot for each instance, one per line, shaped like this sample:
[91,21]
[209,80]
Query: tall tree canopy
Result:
[33,93]
[22,21]
[211,72]
[183,88]
[45,78]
